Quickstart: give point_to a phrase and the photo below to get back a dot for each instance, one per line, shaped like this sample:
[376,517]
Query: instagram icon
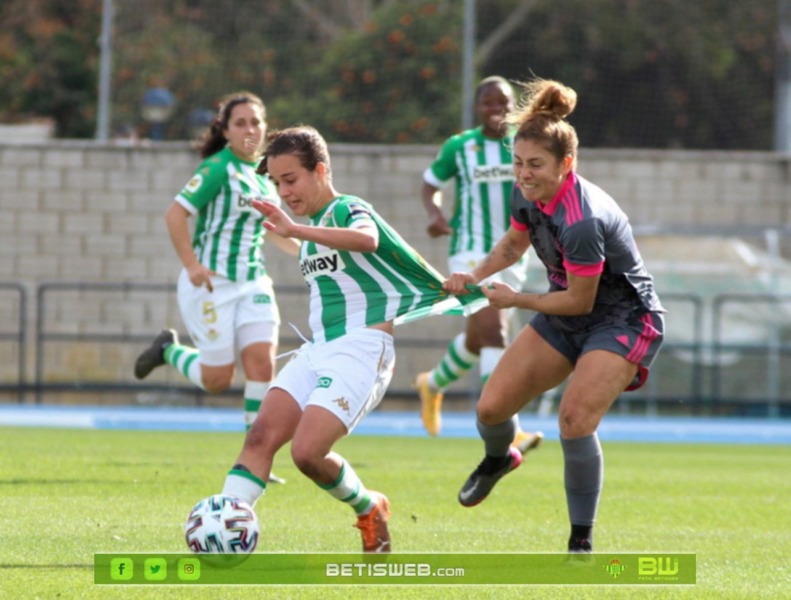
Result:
[188,569]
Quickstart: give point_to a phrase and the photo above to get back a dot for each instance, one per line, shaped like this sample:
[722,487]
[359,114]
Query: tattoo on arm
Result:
[510,253]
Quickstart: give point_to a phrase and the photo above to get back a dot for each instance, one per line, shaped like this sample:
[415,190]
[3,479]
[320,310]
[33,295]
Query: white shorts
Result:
[347,376]
[515,275]
[214,319]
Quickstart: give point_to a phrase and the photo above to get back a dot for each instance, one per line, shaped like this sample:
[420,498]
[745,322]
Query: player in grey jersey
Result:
[601,319]
[225,295]
[479,162]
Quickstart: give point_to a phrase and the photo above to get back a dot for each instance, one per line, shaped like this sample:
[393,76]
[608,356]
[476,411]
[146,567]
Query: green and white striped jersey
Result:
[484,178]
[349,290]
[228,234]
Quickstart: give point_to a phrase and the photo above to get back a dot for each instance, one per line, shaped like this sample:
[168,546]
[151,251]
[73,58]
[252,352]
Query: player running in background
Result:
[225,295]
[479,161]
[362,276]
[600,324]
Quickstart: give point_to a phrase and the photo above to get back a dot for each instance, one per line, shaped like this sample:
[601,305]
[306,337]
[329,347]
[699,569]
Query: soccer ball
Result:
[223,528]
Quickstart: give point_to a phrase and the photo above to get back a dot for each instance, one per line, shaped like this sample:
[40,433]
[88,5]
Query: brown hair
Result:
[214,139]
[302,141]
[541,117]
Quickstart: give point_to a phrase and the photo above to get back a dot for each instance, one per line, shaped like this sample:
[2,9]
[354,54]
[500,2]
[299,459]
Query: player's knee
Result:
[573,422]
[306,459]
[489,413]
[216,384]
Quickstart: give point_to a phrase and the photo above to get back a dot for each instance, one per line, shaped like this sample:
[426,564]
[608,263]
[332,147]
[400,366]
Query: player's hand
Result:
[253,146]
[438,226]
[276,219]
[457,283]
[201,276]
[500,295]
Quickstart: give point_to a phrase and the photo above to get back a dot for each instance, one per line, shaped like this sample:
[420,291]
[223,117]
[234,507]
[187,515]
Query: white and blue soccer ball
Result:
[223,528]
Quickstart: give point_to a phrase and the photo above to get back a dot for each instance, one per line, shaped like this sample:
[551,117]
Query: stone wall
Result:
[76,211]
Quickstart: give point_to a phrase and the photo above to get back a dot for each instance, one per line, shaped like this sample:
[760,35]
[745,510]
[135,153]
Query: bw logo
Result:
[662,565]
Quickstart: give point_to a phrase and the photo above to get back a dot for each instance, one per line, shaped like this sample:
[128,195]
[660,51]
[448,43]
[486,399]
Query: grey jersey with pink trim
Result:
[578,230]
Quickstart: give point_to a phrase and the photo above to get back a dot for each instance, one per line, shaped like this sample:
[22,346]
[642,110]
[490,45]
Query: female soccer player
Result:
[479,160]
[601,321]
[361,276]
[224,293]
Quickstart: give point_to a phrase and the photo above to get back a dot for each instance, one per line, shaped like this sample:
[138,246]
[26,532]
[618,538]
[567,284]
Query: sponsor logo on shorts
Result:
[324,382]
[262,299]
[343,404]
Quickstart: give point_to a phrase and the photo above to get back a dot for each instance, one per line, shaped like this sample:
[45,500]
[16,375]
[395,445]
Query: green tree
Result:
[668,73]
[48,62]
[652,74]
[395,80]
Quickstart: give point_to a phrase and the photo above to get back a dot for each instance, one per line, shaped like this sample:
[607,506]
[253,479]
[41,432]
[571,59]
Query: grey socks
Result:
[584,474]
[497,438]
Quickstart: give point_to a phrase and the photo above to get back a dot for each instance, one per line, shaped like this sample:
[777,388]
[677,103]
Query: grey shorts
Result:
[637,338]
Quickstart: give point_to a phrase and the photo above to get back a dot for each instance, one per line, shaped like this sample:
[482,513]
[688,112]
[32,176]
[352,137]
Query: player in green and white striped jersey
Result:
[228,234]
[362,276]
[350,289]
[225,296]
[479,162]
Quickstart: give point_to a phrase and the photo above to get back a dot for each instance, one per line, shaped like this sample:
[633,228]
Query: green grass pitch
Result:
[67,494]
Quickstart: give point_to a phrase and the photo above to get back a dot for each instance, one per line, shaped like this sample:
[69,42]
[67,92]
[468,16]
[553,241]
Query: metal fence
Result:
[15,311]
[705,373]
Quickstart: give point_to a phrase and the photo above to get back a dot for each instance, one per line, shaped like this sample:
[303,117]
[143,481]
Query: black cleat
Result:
[490,471]
[154,356]
[580,545]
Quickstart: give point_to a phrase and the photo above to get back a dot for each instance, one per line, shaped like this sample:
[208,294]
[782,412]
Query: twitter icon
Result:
[155,569]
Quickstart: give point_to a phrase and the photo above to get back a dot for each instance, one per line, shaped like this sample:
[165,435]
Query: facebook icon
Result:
[121,569]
